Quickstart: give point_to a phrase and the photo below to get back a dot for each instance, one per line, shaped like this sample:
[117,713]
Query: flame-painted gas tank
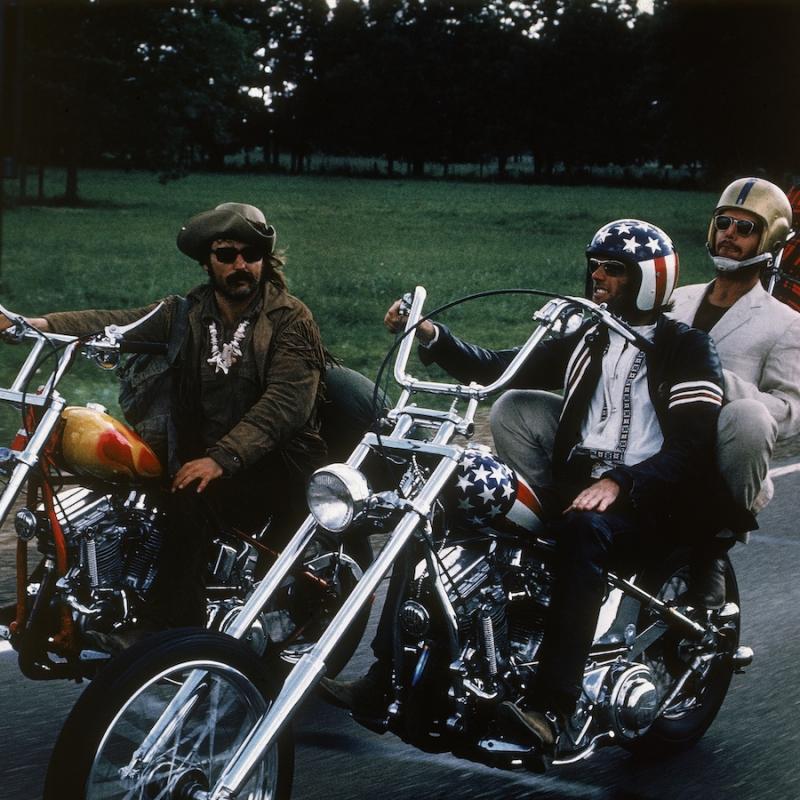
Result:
[94,443]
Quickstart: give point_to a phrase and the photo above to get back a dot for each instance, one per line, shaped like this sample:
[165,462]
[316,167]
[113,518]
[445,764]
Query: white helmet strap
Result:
[731,264]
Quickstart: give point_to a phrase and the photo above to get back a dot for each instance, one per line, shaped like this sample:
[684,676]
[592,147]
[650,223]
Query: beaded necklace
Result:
[231,351]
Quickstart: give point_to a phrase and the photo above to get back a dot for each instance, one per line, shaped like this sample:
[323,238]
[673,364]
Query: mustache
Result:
[240,277]
[729,245]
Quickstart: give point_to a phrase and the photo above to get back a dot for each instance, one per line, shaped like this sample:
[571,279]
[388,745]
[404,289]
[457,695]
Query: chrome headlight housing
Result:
[337,495]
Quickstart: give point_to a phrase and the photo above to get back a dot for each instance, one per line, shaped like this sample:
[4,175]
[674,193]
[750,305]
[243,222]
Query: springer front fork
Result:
[312,666]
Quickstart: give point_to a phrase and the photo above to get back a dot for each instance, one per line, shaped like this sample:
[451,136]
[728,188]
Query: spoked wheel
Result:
[164,719]
[696,704]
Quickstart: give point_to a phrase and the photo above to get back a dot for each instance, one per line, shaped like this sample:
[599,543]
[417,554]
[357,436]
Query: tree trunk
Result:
[71,188]
[502,163]
[23,182]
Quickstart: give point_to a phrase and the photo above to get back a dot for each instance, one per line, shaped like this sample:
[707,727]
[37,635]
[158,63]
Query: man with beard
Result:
[758,340]
[247,394]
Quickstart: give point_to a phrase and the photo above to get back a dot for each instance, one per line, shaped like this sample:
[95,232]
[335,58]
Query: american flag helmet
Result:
[644,247]
[487,495]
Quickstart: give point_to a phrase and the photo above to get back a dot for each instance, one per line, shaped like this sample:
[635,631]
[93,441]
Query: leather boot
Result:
[367,696]
[117,641]
[707,583]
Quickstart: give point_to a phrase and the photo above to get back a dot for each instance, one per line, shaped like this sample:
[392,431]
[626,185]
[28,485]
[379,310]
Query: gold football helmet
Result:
[769,203]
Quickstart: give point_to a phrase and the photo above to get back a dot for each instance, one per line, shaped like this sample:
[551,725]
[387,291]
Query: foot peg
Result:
[743,657]
[728,613]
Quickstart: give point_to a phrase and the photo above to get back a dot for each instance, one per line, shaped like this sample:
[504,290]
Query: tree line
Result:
[177,86]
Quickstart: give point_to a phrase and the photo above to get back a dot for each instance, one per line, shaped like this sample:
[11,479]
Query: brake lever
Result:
[15,332]
[405,304]
[616,324]
[113,333]
[558,314]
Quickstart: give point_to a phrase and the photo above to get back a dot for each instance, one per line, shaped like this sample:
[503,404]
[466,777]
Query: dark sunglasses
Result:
[614,269]
[744,227]
[228,255]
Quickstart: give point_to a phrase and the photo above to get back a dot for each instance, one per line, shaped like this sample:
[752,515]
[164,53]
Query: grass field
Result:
[352,246]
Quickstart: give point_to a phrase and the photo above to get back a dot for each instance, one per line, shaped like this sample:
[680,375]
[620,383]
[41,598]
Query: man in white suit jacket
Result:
[757,336]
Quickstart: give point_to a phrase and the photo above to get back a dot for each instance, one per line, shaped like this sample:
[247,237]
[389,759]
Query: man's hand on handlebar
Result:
[40,323]
[395,321]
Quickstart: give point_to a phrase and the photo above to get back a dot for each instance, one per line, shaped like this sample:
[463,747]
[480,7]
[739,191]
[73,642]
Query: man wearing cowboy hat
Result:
[247,393]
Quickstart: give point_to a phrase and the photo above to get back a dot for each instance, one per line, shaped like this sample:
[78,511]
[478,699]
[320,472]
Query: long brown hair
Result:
[273,269]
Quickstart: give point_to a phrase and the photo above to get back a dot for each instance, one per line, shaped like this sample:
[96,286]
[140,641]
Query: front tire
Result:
[691,713]
[94,755]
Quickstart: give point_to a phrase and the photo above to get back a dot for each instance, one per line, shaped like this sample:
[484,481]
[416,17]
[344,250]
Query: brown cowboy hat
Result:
[237,221]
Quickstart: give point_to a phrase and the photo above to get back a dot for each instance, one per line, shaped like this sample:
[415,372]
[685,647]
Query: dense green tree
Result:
[144,84]
[176,85]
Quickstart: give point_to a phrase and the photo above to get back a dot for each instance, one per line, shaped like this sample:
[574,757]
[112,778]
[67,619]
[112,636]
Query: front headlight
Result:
[336,495]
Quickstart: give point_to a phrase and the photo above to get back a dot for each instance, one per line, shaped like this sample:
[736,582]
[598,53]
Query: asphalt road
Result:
[751,752]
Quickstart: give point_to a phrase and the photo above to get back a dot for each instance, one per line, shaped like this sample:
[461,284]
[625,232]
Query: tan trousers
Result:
[524,422]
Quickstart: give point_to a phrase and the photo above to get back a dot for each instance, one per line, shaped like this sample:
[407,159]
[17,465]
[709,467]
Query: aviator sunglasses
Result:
[227,255]
[614,269]
[744,227]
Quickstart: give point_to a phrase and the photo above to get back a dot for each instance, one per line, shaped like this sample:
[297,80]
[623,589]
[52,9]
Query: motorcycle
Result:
[93,507]
[196,716]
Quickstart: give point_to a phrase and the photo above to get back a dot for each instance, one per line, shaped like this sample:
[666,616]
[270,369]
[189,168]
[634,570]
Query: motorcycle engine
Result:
[112,545]
[465,571]
[528,582]
[510,586]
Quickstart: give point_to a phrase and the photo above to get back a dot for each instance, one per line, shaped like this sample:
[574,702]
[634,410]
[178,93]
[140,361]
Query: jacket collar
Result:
[739,313]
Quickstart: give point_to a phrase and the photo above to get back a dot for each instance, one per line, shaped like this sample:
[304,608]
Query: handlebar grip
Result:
[156,348]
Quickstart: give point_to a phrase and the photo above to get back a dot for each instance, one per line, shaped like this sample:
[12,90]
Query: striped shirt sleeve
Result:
[695,392]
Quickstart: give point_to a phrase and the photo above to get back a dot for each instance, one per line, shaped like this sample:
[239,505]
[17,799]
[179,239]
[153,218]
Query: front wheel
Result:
[99,754]
[697,704]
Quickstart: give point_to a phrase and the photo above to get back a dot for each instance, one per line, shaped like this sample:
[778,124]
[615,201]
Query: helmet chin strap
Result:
[731,264]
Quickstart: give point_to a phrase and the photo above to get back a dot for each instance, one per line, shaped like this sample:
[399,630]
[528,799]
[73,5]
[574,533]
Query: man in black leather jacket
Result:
[635,439]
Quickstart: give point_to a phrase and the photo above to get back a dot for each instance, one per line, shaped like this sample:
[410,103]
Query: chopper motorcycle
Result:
[195,715]
[92,506]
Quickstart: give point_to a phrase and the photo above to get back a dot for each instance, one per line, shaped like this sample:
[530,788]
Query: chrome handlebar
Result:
[103,347]
[560,316]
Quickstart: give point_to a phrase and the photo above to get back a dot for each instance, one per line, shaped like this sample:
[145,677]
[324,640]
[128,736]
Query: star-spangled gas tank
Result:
[487,495]
[94,443]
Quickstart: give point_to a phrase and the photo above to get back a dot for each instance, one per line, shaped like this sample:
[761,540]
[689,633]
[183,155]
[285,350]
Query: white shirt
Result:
[621,426]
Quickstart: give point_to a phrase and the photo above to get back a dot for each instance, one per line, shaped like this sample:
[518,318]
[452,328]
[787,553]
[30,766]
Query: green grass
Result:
[352,245]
